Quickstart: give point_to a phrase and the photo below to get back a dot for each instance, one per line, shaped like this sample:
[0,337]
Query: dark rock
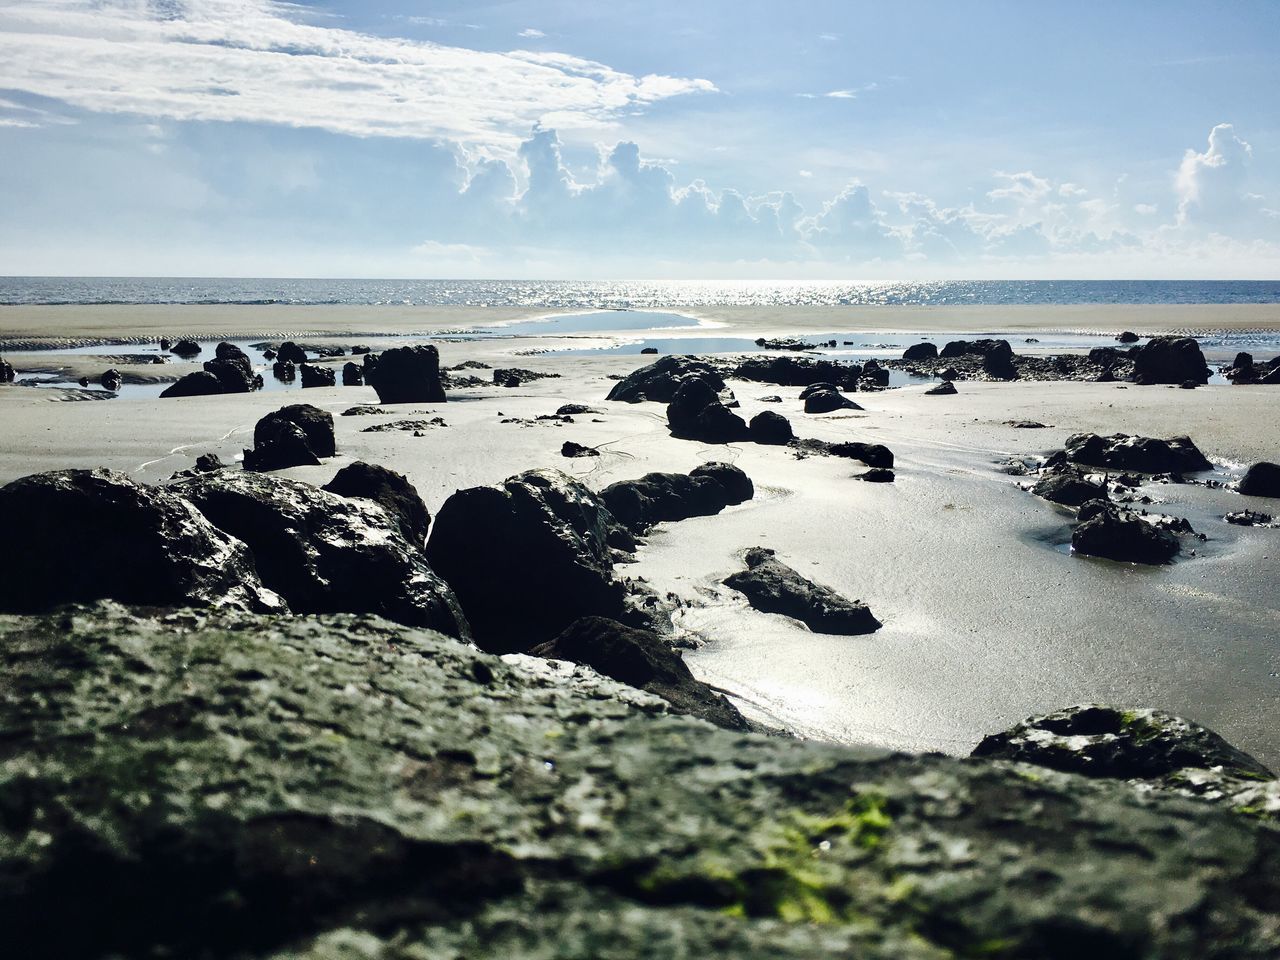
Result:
[1249,518]
[407,426]
[290,352]
[370,363]
[573,410]
[798,371]
[872,454]
[696,413]
[317,424]
[773,587]
[665,497]
[1261,480]
[406,375]
[874,374]
[111,380]
[876,475]
[772,398]
[1121,451]
[185,348]
[325,553]
[527,558]
[359,349]
[1106,357]
[1069,489]
[330,352]
[770,428]
[285,372]
[648,350]
[1273,378]
[641,659]
[1106,376]
[825,401]
[1169,360]
[1026,424]
[233,369]
[200,384]
[269,354]
[313,376]
[1128,337]
[143,545]
[947,373]
[352,375]
[515,376]
[785,343]
[945,389]
[6,372]
[293,436]
[208,463]
[390,490]
[165,344]
[365,411]
[999,365]
[659,381]
[920,351]
[84,381]
[571,449]
[1117,534]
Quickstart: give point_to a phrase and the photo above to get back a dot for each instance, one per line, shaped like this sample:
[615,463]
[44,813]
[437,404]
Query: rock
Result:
[945,389]
[920,351]
[648,350]
[208,463]
[999,365]
[872,454]
[659,381]
[285,372]
[317,424]
[185,349]
[142,545]
[331,352]
[771,428]
[326,553]
[873,375]
[1169,360]
[571,449]
[644,660]
[359,349]
[352,375]
[696,413]
[293,436]
[165,344]
[1026,424]
[84,381]
[1261,480]
[785,343]
[798,371]
[111,380]
[573,410]
[314,376]
[1115,534]
[1250,518]
[771,586]
[233,369]
[947,373]
[200,384]
[1128,337]
[664,497]
[290,352]
[1106,376]
[1121,451]
[390,490]
[339,786]
[527,558]
[516,376]
[876,475]
[405,375]
[6,372]
[269,354]
[825,401]
[1069,489]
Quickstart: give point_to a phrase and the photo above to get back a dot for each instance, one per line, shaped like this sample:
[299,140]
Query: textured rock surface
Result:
[798,371]
[390,490]
[317,376]
[660,380]
[826,400]
[773,587]
[233,369]
[641,659]
[293,436]
[1068,489]
[405,375]
[696,413]
[872,454]
[141,545]
[1110,532]
[338,788]
[663,497]
[324,553]
[945,389]
[1121,451]
[1169,360]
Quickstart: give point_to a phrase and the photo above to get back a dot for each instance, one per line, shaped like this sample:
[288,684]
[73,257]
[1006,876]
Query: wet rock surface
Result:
[325,553]
[1069,489]
[148,547]
[641,659]
[659,381]
[771,586]
[405,375]
[352,375]
[1122,451]
[798,371]
[665,497]
[6,371]
[390,490]
[234,371]
[1111,532]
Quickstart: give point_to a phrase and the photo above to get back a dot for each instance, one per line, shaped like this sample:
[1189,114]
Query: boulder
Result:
[325,553]
[696,413]
[119,540]
[527,557]
[1122,451]
[359,349]
[6,372]
[573,410]
[825,401]
[390,490]
[945,389]
[234,371]
[649,350]
[185,349]
[315,376]
[663,497]
[284,372]
[789,371]
[999,364]
[1128,337]
[352,375]
[1069,489]
[406,375]
[290,352]
[641,659]
[920,351]
[111,380]
[199,384]
[165,344]
[1261,480]
[571,450]
[877,475]
[772,428]
[660,380]
[317,424]
[294,436]
[873,375]
[771,586]
[1115,534]
[1169,360]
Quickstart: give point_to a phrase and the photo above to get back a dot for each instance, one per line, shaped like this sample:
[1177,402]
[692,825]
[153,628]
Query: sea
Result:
[623,294]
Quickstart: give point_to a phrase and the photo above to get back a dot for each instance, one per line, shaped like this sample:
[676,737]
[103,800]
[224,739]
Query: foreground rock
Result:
[336,786]
[1113,533]
[773,587]
[390,490]
[1121,451]
[1169,360]
[664,497]
[1261,480]
[325,553]
[528,557]
[641,659]
[696,413]
[139,545]
[659,381]
[405,375]
[944,389]
[294,436]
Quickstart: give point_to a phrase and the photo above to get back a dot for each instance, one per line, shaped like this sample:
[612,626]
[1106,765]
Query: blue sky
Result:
[821,140]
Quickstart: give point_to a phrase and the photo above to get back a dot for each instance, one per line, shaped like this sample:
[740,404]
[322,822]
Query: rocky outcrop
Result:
[770,428]
[352,375]
[824,398]
[517,376]
[233,369]
[527,557]
[697,413]
[199,384]
[1069,489]
[326,553]
[641,659]
[316,376]
[132,543]
[665,497]
[1261,480]
[390,490]
[771,586]
[659,381]
[1169,360]
[290,352]
[920,351]
[1121,451]
[294,436]
[1108,531]
[405,375]
[799,371]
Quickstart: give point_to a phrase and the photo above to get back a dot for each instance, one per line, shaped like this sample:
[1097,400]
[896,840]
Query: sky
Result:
[846,141]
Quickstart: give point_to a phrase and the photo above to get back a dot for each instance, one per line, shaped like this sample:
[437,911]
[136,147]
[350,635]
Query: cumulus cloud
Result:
[1024,187]
[1211,186]
[262,61]
[531,33]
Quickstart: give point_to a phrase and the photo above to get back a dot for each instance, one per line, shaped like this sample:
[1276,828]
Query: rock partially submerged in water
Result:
[111,380]
[771,586]
[1069,489]
[290,352]
[641,659]
[920,351]
[1121,451]
[660,380]
[233,369]
[199,384]
[325,553]
[352,375]
[317,376]
[185,349]
[294,436]
[390,490]
[137,544]
[1261,480]
[1169,360]
[666,497]
[1108,531]
[697,413]
[405,375]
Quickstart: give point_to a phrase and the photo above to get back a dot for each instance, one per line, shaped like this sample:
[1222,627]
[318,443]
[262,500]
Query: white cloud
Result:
[258,61]
[1211,185]
[531,33]
[1024,187]
[829,37]
[805,173]
[842,94]
[1146,209]
[1071,190]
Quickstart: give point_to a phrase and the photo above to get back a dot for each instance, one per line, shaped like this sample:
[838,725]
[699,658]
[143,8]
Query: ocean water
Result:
[624,294]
